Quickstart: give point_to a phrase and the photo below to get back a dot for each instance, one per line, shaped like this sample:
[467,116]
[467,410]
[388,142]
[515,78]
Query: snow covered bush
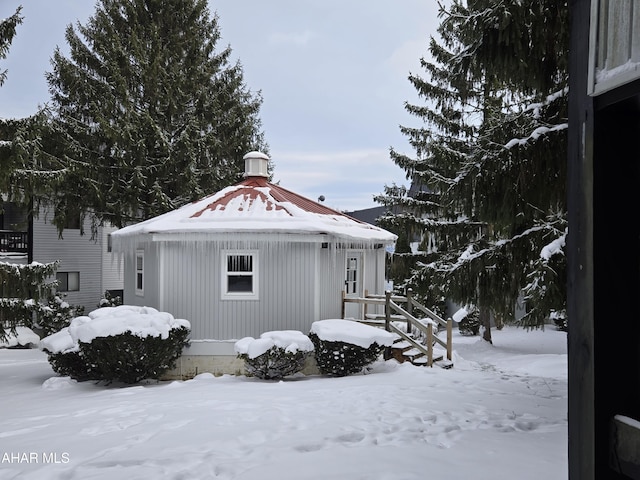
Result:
[274,355]
[57,314]
[124,343]
[72,364]
[108,300]
[344,347]
[20,337]
[468,319]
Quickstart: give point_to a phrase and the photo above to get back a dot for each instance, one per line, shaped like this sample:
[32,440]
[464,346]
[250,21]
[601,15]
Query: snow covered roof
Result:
[257,206]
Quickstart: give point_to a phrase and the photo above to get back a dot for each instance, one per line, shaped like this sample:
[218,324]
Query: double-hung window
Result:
[240,275]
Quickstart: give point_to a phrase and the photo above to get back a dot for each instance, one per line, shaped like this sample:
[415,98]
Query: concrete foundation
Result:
[188,366]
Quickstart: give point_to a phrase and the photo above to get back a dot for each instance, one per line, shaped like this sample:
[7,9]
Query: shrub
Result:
[345,347]
[72,364]
[470,324]
[57,314]
[108,300]
[124,343]
[19,338]
[129,358]
[65,357]
[274,355]
[559,318]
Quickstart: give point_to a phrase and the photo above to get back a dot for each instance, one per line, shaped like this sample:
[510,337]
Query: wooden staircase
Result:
[415,336]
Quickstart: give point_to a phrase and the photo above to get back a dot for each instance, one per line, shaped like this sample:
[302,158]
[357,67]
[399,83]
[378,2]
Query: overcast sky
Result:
[332,73]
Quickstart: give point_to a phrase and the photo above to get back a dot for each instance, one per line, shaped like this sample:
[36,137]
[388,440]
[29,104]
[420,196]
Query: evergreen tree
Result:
[491,156]
[7,32]
[147,116]
[28,298]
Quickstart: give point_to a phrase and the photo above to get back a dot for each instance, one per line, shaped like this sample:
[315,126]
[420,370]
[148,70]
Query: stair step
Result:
[402,344]
[381,316]
[372,323]
[444,364]
[412,353]
[420,361]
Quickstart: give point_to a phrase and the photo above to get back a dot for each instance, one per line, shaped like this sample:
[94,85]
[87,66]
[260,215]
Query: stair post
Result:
[430,344]
[409,294]
[449,338]
[387,310]
[387,321]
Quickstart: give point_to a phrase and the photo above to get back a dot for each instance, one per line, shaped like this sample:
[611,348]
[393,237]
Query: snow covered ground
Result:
[501,412]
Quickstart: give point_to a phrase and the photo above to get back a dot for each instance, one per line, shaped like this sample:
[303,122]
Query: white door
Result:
[353,283]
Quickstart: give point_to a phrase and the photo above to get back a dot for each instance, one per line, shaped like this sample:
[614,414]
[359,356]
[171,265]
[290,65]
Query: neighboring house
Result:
[87,267]
[249,259]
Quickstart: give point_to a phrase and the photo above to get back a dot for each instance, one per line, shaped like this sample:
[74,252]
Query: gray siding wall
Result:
[332,275]
[151,295]
[77,253]
[192,289]
[298,284]
[112,268]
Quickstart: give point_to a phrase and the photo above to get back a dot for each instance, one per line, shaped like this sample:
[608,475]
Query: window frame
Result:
[66,281]
[138,272]
[226,273]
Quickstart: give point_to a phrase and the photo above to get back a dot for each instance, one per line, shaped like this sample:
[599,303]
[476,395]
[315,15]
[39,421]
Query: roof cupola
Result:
[256,164]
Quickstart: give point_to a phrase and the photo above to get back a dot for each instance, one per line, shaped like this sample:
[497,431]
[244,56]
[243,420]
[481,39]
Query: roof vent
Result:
[256,165]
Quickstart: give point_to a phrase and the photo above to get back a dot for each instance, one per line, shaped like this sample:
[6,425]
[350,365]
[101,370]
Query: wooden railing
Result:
[14,241]
[393,312]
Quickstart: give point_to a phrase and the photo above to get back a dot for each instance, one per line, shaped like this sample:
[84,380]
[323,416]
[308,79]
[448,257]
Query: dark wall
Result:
[603,259]
[616,220]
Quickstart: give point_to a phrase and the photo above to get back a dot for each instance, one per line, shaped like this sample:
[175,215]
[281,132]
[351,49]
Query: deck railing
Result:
[394,312]
[15,242]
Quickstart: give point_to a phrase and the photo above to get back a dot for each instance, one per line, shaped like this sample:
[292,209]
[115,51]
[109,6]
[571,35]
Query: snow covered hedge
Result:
[274,355]
[21,337]
[468,319]
[125,343]
[344,347]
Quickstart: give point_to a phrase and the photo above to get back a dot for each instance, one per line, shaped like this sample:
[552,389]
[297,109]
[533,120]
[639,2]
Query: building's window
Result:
[109,243]
[68,281]
[240,275]
[72,221]
[139,272]
[351,282]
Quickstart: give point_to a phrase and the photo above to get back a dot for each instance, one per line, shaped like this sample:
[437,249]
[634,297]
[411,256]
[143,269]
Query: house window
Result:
[109,243]
[72,221]
[240,279]
[139,272]
[352,280]
[68,281]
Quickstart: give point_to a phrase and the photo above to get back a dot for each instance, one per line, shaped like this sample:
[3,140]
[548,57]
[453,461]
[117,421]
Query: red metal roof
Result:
[252,188]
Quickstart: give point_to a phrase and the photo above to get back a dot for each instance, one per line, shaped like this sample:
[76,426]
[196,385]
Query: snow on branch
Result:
[550,99]
[537,133]
[553,248]
[469,255]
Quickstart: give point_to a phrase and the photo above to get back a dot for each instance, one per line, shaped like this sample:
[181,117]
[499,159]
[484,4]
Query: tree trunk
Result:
[498,321]
[485,321]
